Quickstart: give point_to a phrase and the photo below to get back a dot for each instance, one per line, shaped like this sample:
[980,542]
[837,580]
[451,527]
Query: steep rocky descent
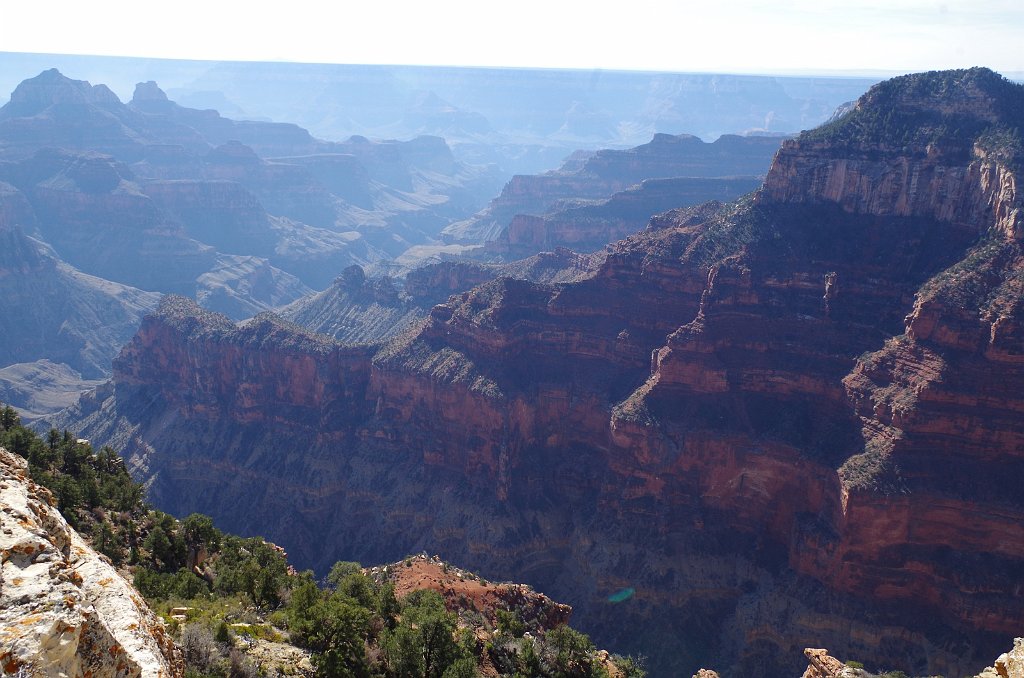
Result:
[729,167]
[763,363]
[721,416]
[64,610]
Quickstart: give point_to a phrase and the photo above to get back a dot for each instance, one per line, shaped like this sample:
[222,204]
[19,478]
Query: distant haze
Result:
[522,120]
[729,36]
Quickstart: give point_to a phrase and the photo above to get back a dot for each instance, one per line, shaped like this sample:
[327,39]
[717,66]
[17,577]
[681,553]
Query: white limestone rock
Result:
[64,610]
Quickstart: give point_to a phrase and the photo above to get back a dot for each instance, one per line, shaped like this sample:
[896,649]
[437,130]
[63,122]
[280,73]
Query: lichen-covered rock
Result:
[64,610]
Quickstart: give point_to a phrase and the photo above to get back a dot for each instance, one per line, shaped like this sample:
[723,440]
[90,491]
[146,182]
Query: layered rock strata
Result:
[592,225]
[780,423]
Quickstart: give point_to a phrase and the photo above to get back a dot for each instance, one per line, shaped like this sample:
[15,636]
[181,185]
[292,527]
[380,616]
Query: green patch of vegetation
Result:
[949,109]
[93,490]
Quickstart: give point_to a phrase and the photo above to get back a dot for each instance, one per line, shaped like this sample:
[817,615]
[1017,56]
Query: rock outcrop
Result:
[786,422]
[363,309]
[823,665]
[1009,664]
[464,592]
[64,610]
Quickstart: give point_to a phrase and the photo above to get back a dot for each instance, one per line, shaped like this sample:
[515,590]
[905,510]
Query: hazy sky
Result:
[747,36]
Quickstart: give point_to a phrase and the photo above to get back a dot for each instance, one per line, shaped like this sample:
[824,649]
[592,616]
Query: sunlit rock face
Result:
[64,610]
[788,422]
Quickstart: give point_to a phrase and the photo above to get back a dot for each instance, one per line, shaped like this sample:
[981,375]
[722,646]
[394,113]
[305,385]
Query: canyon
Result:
[128,201]
[791,420]
[104,206]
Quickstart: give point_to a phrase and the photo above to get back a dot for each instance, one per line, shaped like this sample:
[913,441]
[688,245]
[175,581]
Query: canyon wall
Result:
[784,422]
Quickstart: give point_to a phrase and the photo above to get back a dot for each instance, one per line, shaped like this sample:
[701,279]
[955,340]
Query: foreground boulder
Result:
[64,610]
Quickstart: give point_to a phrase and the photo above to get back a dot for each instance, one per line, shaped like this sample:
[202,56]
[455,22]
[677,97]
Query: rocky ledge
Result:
[64,610]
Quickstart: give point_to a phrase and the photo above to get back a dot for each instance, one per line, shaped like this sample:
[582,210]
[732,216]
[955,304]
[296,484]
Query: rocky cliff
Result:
[1009,664]
[752,428]
[64,610]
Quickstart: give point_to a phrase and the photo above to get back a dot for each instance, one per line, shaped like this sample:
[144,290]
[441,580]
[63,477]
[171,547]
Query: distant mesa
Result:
[148,91]
[723,170]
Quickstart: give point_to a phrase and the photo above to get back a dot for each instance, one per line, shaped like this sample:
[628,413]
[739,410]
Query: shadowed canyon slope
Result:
[785,422]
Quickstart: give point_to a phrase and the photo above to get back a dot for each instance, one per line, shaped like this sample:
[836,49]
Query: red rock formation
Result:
[466,592]
[311,378]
